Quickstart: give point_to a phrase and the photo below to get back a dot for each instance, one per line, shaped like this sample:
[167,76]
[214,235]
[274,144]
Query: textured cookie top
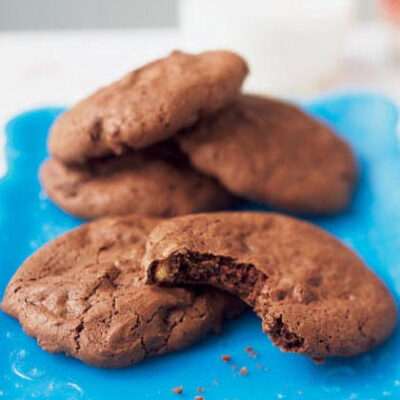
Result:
[148,105]
[314,295]
[83,294]
[156,181]
[273,152]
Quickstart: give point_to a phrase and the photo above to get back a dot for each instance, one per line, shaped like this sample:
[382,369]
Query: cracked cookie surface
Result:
[148,105]
[272,152]
[83,294]
[157,181]
[313,294]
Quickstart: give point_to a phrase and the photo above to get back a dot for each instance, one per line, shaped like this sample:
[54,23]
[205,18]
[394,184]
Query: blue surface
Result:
[371,227]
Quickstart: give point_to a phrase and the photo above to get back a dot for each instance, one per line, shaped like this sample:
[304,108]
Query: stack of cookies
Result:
[177,137]
[113,152]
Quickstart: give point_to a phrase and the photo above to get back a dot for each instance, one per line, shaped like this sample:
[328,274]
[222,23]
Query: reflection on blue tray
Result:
[371,226]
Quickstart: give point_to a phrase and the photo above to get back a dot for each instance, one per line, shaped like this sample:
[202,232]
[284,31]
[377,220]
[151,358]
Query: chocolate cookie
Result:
[272,152]
[83,294]
[148,105]
[313,294]
[156,181]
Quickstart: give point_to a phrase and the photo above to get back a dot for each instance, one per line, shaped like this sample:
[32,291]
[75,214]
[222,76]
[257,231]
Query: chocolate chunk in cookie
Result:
[313,294]
[148,105]
[274,153]
[156,181]
[83,294]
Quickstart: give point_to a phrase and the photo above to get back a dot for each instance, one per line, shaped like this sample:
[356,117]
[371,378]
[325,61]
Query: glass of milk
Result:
[293,46]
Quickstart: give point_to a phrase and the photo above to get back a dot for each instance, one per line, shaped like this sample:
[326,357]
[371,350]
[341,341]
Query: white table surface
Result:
[58,68]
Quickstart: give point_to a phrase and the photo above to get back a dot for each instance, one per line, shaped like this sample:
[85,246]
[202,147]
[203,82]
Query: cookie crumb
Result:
[226,358]
[318,360]
[178,390]
[200,390]
[243,371]
[251,353]
[199,398]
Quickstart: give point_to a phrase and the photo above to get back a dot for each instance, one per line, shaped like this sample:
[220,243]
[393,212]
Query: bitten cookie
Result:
[83,294]
[313,294]
[272,152]
[148,105]
[157,181]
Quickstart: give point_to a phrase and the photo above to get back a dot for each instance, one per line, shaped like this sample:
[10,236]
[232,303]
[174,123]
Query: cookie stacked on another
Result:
[117,290]
[313,294]
[110,154]
[157,181]
[176,137]
[272,152]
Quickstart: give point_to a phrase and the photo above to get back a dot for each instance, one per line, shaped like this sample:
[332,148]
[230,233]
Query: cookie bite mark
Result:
[241,279]
[313,294]
[283,337]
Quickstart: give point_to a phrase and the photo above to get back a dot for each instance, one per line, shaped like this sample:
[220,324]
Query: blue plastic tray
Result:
[371,227]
